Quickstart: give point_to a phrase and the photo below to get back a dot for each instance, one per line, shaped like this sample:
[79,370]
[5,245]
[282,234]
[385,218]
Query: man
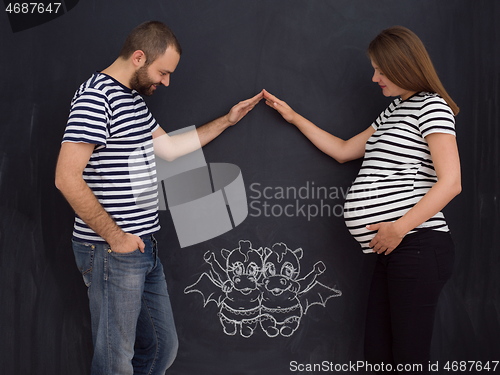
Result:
[107,144]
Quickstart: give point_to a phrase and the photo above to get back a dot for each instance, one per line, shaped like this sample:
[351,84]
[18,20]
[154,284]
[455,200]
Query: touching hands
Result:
[241,109]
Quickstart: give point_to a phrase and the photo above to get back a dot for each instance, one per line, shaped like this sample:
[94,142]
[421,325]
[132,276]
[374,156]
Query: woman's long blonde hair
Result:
[402,57]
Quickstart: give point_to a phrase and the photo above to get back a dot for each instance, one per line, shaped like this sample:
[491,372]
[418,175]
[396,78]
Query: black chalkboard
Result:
[311,54]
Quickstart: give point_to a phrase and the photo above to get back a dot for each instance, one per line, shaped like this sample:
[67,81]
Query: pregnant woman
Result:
[410,172]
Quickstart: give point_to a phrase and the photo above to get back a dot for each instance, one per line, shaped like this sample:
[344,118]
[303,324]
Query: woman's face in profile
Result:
[388,88]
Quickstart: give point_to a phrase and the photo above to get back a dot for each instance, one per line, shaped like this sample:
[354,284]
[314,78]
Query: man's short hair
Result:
[153,38]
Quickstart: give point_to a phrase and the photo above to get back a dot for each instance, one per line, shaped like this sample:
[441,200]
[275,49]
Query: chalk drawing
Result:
[261,288]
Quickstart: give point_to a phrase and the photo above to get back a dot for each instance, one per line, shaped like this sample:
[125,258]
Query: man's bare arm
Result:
[73,158]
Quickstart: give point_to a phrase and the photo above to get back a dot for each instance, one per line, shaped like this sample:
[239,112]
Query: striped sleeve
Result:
[436,117]
[88,119]
[385,114]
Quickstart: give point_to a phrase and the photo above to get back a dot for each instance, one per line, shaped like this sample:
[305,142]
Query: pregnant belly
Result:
[380,203]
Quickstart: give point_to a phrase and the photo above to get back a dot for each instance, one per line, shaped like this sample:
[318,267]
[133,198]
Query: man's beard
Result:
[141,82]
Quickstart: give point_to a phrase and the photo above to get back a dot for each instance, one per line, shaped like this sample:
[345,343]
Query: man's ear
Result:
[138,58]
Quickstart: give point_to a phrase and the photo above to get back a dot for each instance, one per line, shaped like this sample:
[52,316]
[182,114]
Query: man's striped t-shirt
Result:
[397,170]
[121,171]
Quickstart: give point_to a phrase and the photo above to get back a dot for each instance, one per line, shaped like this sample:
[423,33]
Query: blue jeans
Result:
[133,328]
[403,297]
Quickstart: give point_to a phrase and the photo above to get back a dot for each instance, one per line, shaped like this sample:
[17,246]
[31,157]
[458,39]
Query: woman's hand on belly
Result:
[388,237]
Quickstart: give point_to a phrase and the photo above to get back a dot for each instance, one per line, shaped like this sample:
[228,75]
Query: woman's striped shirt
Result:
[121,171]
[397,169]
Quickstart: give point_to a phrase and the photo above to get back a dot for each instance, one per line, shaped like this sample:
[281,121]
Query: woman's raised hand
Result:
[284,109]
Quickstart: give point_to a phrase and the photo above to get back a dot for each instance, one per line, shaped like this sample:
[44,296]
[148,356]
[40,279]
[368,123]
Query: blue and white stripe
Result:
[121,171]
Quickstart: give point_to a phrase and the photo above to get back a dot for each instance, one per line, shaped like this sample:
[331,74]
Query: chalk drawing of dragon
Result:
[261,287]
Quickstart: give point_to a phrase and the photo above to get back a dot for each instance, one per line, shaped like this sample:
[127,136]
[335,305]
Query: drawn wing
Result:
[208,287]
[317,294]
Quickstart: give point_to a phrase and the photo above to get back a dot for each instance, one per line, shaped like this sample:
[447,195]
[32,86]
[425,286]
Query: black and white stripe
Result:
[121,171]
[397,169]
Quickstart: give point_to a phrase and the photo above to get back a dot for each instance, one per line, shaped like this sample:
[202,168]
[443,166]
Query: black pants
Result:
[402,303]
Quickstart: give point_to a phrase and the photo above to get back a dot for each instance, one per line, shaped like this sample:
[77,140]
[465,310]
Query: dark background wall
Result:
[309,53]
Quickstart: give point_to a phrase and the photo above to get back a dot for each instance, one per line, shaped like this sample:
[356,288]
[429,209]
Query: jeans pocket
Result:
[117,254]
[84,258]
